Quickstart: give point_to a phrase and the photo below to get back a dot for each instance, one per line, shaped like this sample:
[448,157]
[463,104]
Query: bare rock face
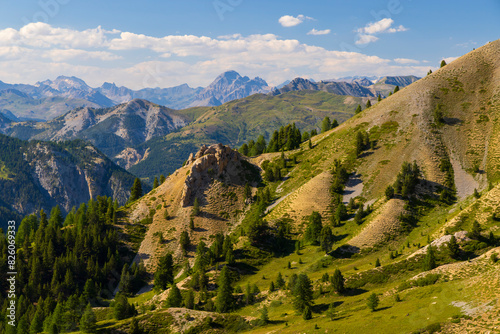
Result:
[216,161]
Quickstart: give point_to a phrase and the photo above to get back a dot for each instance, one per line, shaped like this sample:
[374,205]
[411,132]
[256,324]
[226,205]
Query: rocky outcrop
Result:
[216,161]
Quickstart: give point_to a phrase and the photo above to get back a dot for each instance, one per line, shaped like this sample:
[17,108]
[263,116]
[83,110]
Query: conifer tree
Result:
[430,259]
[264,314]
[337,281]
[164,274]
[453,248]
[326,124]
[396,89]
[379,98]
[174,298]
[302,293]
[443,63]
[224,299]
[358,109]
[326,239]
[184,242]
[196,207]
[475,232]
[280,282]
[136,190]
[189,300]
[368,104]
[377,262]
[162,178]
[372,301]
[155,183]
[88,322]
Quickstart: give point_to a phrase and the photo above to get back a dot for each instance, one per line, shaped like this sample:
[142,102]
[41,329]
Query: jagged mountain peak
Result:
[65,83]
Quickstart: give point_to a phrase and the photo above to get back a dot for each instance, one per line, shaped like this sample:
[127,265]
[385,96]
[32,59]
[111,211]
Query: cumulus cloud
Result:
[39,51]
[319,32]
[366,34]
[365,39]
[292,21]
[406,61]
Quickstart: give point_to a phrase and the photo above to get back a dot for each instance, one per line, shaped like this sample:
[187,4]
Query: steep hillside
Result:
[216,178]
[239,121]
[36,175]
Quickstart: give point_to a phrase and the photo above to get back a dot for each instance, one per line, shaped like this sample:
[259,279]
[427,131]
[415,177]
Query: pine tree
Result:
[280,282]
[326,124]
[224,299]
[379,98]
[368,104]
[264,314]
[389,192]
[37,322]
[196,207]
[443,63]
[314,228]
[309,144]
[475,232]
[430,259]
[184,242]
[377,262]
[155,183]
[162,178]
[372,302]
[302,293]
[271,287]
[174,298]
[22,325]
[191,223]
[396,89]
[358,109]
[189,300]
[453,248]
[430,72]
[88,322]
[331,313]
[326,239]
[136,190]
[337,281]
[164,274]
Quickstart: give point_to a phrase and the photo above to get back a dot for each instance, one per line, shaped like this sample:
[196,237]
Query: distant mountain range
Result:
[50,98]
[353,86]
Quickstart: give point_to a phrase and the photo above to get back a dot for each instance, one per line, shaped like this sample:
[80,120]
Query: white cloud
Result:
[406,61]
[291,21]
[319,32]
[366,34]
[449,59]
[365,39]
[39,51]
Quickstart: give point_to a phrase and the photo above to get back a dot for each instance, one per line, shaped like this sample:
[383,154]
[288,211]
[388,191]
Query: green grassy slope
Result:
[238,121]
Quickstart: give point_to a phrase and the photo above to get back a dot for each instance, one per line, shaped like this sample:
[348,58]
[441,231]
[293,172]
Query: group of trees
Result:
[406,181]
[65,264]
[286,138]
[340,176]
[317,234]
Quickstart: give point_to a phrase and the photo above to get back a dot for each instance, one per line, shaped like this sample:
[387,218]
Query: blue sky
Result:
[165,43]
